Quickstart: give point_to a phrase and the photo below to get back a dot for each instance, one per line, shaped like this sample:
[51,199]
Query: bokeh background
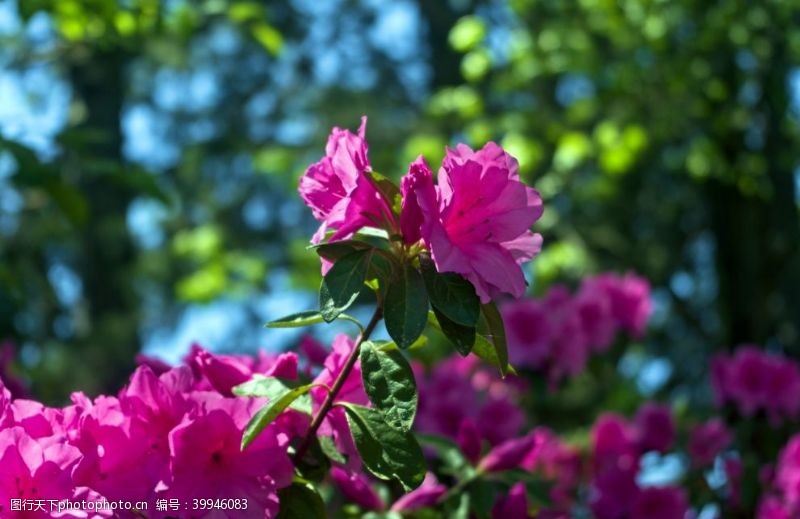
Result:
[150,152]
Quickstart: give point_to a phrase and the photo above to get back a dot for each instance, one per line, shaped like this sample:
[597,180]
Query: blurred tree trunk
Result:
[108,253]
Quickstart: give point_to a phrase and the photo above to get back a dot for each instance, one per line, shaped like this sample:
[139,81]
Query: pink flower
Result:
[427,494]
[469,440]
[614,444]
[356,487]
[613,492]
[556,462]
[771,508]
[528,332]
[593,306]
[707,440]
[341,196]
[206,461]
[655,427]
[514,505]
[31,472]
[218,372]
[114,461]
[630,300]
[787,472]
[477,220]
[508,455]
[660,503]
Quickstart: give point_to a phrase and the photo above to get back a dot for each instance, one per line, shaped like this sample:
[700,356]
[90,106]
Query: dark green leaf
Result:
[300,501]
[387,453]
[390,385]
[451,294]
[406,307]
[269,412]
[462,337]
[343,283]
[328,446]
[449,453]
[492,329]
[387,189]
[336,250]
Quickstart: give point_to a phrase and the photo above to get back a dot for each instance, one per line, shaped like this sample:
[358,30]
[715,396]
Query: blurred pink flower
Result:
[427,494]
[508,455]
[655,427]
[755,380]
[707,440]
[356,487]
[513,505]
[476,221]
[660,503]
[787,472]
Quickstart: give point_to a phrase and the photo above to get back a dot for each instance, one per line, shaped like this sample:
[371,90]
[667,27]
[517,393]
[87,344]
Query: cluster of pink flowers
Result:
[171,434]
[465,400]
[783,502]
[475,220]
[756,381]
[617,446]
[557,333]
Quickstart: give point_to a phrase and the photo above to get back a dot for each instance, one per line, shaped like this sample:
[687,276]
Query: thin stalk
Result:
[337,385]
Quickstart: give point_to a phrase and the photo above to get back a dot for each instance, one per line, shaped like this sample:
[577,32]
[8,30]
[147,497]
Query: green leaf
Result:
[391,345]
[336,250]
[300,501]
[343,283]
[406,307]
[451,294]
[279,401]
[491,327]
[307,318]
[449,453]
[387,189]
[297,320]
[387,453]
[462,337]
[390,385]
[328,446]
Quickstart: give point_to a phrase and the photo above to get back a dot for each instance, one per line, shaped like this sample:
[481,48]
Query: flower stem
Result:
[337,385]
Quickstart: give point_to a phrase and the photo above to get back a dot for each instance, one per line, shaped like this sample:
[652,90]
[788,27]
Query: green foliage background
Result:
[663,136]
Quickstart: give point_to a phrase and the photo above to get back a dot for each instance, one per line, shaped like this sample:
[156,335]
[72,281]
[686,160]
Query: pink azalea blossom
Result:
[31,472]
[427,494]
[593,306]
[630,300]
[557,463]
[771,508]
[513,505]
[476,221]
[206,461]
[757,381]
[787,472]
[660,503]
[341,196]
[655,427]
[356,487]
[469,440]
[528,332]
[508,455]
[707,440]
